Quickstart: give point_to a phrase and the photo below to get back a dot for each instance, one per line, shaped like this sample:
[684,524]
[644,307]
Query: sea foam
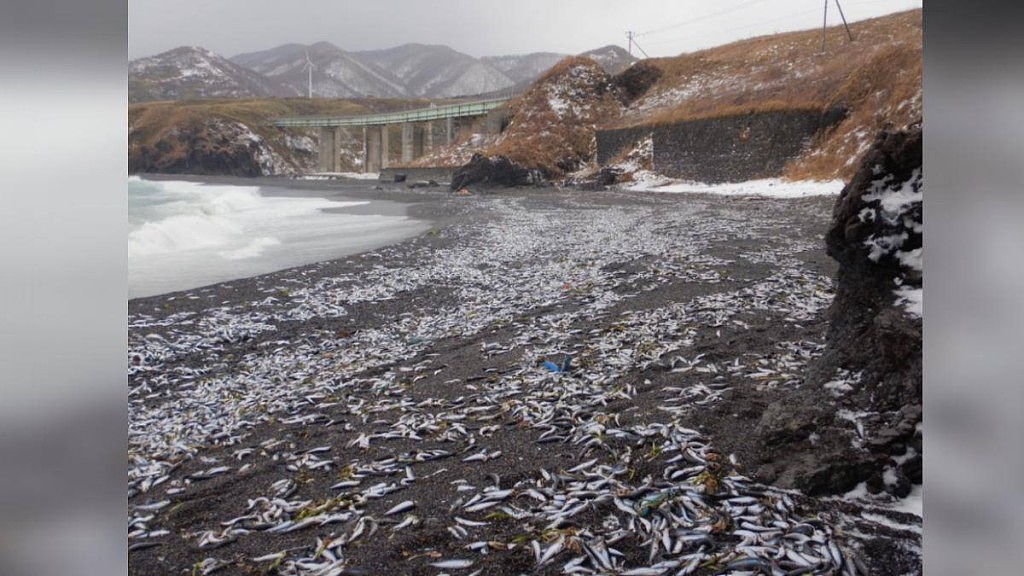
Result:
[188,234]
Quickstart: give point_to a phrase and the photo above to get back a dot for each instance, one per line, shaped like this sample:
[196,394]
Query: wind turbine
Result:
[309,68]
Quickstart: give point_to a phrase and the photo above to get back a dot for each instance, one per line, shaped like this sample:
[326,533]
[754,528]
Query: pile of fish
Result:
[643,494]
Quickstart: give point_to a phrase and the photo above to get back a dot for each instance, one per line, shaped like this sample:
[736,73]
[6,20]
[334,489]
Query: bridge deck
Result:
[419,115]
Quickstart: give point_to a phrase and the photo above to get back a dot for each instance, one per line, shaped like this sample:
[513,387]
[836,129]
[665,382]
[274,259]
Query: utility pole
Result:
[824,24]
[843,16]
[632,42]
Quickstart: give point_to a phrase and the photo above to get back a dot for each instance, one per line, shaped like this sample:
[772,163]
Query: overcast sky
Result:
[477,27]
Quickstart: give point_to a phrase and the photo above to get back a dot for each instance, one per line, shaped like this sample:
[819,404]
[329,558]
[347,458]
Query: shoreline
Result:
[392,202]
[410,378]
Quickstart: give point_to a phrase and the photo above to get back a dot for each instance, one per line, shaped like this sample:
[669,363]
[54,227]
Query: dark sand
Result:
[729,423]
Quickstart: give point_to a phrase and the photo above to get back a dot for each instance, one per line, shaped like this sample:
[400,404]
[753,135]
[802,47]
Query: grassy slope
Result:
[150,122]
[877,76]
[553,122]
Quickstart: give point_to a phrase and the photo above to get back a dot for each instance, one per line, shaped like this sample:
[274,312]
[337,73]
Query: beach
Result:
[544,381]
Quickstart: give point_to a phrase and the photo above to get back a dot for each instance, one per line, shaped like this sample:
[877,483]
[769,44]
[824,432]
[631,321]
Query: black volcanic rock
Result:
[495,171]
[874,340]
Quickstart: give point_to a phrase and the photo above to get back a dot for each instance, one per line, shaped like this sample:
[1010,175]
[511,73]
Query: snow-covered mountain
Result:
[407,71]
[524,68]
[194,72]
[336,73]
[612,58]
[437,71]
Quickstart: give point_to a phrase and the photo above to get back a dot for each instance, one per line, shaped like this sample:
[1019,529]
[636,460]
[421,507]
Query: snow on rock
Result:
[871,370]
[882,224]
[301,143]
[895,206]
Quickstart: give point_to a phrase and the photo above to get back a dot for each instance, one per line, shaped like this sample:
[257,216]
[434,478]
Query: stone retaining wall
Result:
[729,149]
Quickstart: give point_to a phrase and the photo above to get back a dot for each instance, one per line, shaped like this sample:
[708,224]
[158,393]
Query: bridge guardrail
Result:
[418,115]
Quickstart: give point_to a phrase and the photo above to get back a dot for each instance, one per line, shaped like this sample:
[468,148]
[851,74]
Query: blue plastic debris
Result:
[565,367]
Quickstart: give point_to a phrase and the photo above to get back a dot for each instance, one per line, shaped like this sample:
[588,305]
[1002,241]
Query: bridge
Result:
[417,131]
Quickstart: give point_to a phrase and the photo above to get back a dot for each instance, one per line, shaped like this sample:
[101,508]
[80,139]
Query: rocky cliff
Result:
[860,419]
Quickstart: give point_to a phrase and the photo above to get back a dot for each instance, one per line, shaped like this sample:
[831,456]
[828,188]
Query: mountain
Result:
[336,73]
[525,68]
[407,71]
[612,58]
[437,71]
[193,72]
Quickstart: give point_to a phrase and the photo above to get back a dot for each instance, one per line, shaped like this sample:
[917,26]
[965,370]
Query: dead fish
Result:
[402,507]
[452,564]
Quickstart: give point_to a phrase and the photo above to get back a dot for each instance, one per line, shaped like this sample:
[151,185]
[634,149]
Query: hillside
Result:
[336,73]
[613,59]
[875,81]
[193,72]
[864,86]
[406,71]
[876,78]
[235,137]
[437,71]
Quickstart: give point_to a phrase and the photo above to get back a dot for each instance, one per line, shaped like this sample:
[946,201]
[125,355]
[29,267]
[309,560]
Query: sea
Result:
[186,234]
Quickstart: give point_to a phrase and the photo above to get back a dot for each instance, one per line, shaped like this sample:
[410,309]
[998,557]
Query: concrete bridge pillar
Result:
[449,130]
[408,141]
[329,148]
[375,148]
[428,138]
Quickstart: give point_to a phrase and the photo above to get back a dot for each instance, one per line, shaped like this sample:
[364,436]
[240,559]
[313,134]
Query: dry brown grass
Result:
[558,139]
[149,122]
[877,76]
[883,93]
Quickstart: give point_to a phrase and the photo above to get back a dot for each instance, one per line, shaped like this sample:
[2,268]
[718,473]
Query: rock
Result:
[212,146]
[834,477]
[783,423]
[495,171]
[635,81]
[422,184]
[875,229]
[605,177]
[834,115]
[820,472]
[899,485]
[913,469]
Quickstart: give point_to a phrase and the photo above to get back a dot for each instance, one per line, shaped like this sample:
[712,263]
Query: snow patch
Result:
[768,187]
[911,299]
[898,206]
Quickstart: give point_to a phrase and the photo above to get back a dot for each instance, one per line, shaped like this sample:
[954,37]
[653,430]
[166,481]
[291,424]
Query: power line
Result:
[760,23]
[699,18]
[632,42]
[733,29]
